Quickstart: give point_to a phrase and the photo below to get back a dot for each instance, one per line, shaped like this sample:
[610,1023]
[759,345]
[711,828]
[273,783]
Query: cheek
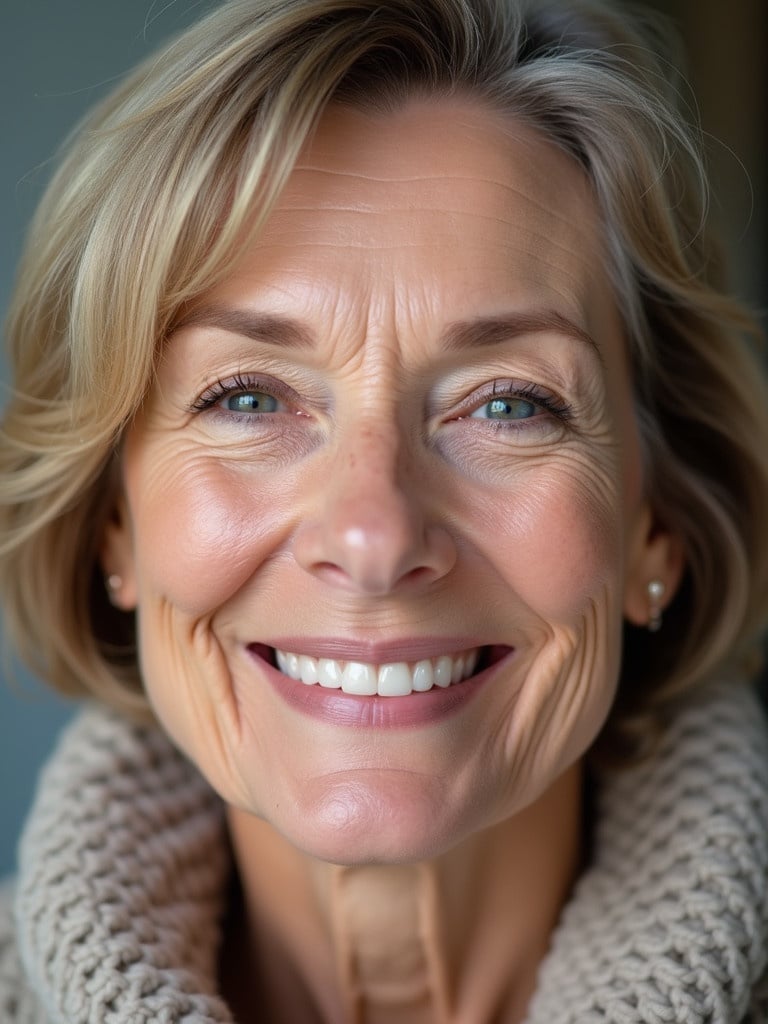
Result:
[201,527]
[557,540]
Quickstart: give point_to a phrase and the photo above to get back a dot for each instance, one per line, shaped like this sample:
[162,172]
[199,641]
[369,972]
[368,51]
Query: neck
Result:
[456,938]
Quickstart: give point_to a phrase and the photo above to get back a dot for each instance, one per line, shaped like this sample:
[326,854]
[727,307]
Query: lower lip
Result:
[338,708]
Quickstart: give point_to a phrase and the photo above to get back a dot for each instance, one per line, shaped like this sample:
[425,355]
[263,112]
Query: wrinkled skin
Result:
[376,499]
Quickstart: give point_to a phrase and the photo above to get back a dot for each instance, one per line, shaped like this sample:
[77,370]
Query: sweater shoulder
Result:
[18,1004]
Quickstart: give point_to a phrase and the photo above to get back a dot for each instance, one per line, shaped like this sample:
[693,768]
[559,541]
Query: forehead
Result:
[444,201]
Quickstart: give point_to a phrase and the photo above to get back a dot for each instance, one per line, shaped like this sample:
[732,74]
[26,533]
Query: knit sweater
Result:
[124,870]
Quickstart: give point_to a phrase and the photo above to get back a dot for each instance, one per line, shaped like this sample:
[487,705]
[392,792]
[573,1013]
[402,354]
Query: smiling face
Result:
[399,434]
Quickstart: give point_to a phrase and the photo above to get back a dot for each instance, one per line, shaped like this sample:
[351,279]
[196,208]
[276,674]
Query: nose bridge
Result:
[373,518]
[372,452]
[370,530]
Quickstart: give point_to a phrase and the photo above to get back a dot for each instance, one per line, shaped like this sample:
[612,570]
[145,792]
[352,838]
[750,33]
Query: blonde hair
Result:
[158,186]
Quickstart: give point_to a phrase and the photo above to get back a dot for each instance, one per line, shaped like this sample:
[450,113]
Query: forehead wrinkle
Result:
[407,210]
[535,246]
[292,195]
[321,214]
[563,233]
[393,179]
[412,179]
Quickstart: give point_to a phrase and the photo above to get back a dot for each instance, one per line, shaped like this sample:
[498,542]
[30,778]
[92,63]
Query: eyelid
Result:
[537,394]
[241,383]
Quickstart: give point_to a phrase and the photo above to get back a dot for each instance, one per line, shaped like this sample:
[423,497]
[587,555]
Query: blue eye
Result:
[506,407]
[242,396]
[250,402]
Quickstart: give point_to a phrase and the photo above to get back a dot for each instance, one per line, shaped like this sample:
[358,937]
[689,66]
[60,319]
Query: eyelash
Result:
[237,384]
[533,393]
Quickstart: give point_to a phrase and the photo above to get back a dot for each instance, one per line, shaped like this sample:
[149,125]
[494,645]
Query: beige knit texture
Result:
[670,923]
[121,884]
[123,874]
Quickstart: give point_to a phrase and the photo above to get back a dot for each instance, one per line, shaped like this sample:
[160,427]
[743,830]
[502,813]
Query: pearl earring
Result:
[656,591]
[114,582]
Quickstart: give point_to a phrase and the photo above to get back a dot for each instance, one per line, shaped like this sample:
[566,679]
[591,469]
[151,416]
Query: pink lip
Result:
[338,708]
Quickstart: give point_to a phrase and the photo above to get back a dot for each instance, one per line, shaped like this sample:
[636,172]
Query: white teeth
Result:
[423,676]
[308,670]
[329,674]
[443,671]
[360,679]
[396,679]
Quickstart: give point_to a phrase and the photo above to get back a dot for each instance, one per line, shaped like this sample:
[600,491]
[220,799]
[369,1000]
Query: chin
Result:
[365,822]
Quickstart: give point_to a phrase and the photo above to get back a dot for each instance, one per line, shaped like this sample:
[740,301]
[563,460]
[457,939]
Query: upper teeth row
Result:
[393,680]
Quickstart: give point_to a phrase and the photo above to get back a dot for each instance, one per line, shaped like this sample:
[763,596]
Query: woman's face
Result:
[399,431]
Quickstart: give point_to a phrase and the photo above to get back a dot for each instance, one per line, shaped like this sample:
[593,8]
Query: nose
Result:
[368,529]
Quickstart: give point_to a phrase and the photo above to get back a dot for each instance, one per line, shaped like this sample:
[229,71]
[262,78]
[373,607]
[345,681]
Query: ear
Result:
[116,554]
[656,553]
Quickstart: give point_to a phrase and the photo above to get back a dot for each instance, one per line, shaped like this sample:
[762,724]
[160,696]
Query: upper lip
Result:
[376,652]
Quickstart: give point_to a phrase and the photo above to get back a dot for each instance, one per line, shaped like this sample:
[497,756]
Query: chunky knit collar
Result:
[124,874]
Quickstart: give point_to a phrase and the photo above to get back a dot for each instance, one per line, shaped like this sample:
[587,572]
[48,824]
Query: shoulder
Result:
[670,919]
[17,1002]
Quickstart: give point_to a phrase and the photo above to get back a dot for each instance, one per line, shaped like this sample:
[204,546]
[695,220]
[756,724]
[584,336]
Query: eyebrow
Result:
[279,330]
[478,333]
[498,329]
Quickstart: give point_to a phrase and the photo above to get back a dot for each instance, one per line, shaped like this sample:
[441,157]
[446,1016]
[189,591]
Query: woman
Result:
[387,466]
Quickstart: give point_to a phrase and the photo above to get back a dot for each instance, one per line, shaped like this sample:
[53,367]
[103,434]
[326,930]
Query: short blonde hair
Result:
[158,186]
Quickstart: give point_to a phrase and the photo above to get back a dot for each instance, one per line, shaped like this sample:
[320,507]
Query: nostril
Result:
[421,574]
[332,573]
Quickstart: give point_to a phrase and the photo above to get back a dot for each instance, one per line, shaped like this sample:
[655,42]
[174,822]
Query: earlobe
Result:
[654,571]
[117,558]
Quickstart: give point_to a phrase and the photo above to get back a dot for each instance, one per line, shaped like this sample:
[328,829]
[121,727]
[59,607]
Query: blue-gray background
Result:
[58,56]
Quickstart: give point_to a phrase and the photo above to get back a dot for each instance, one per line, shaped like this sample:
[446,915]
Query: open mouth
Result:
[393,679]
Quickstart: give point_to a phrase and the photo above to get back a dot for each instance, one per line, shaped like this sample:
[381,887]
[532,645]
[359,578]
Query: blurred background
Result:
[57,57]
